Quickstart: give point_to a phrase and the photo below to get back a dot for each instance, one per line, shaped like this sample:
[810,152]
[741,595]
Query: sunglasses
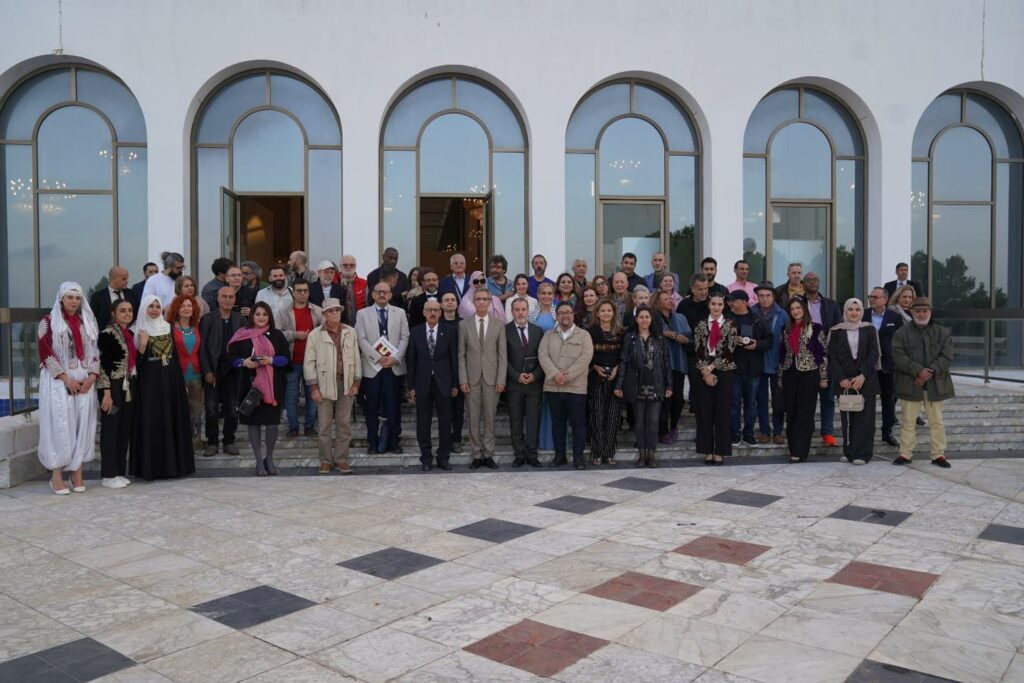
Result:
[479,282]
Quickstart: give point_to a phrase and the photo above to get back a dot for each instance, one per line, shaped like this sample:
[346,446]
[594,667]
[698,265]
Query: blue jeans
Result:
[744,394]
[771,426]
[291,399]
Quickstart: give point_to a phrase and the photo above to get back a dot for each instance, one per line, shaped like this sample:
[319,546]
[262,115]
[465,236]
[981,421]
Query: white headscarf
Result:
[59,327]
[154,327]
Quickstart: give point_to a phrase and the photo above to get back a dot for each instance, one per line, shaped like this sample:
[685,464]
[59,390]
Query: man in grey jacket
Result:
[565,354]
[220,380]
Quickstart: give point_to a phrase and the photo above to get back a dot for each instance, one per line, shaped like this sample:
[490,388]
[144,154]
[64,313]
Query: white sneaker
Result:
[858,461]
[124,480]
[113,483]
[844,459]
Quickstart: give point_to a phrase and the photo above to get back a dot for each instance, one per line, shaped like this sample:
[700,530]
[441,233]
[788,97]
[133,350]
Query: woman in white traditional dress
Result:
[69,364]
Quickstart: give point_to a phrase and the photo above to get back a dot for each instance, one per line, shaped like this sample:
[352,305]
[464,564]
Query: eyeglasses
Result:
[381,291]
[479,282]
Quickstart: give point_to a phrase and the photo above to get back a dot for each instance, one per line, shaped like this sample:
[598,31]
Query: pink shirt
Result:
[750,288]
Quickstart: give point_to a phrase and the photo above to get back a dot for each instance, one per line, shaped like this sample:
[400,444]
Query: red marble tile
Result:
[537,648]
[655,601]
[722,550]
[498,648]
[574,643]
[614,590]
[541,661]
[532,632]
[880,577]
[642,590]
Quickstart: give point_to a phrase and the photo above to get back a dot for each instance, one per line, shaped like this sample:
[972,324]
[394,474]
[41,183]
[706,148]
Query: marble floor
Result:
[756,571]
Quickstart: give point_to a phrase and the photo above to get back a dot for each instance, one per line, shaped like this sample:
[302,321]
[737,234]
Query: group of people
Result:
[163,360]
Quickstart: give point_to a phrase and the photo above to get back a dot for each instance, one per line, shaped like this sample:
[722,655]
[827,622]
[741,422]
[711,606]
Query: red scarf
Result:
[129,341]
[794,339]
[715,336]
[184,357]
[75,325]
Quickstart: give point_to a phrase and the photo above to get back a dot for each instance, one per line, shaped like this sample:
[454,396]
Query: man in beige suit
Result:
[482,368]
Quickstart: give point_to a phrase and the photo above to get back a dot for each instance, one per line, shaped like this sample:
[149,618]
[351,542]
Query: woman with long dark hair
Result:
[714,346]
[118,393]
[586,308]
[262,352]
[803,370]
[604,407]
[565,290]
[645,380]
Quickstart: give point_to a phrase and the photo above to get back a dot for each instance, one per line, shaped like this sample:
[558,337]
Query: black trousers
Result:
[887,386]
[568,409]
[116,432]
[859,431]
[646,414]
[426,404]
[221,397]
[800,394]
[713,405]
[524,404]
[672,408]
[383,400]
[458,416]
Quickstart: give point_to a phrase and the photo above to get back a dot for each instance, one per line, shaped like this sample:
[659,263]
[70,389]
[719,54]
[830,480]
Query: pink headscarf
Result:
[261,346]
[467,309]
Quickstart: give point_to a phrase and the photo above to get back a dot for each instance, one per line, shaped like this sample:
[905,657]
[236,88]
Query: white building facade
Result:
[846,136]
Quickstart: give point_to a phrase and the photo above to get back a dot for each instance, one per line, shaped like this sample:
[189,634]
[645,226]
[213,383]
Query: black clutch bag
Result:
[249,403]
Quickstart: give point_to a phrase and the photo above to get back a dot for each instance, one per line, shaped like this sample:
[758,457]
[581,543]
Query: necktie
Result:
[430,343]
[118,296]
[382,320]
[522,338]
[481,330]
[716,335]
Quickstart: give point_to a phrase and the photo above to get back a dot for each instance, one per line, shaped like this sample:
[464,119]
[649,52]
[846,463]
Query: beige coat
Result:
[287,323]
[320,364]
[488,365]
[574,354]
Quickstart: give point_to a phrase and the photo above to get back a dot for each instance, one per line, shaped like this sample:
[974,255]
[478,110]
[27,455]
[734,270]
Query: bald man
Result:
[117,288]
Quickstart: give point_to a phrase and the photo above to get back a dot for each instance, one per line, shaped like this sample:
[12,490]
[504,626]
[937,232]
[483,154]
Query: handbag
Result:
[251,400]
[851,403]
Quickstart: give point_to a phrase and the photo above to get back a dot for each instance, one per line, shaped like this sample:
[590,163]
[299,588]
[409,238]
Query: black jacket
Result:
[519,362]
[843,365]
[891,321]
[397,294]
[890,287]
[442,368]
[415,307]
[631,366]
[750,324]
[693,311]
[99,302]
[831,313]
[211,336]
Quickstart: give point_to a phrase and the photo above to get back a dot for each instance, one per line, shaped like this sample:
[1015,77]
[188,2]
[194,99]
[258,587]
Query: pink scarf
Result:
[261,346]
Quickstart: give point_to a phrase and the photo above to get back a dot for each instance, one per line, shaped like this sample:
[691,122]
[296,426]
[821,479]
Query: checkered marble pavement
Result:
[749,572]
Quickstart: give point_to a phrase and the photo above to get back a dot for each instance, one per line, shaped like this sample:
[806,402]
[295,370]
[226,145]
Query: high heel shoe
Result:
[269,465]
[77,489]
[651,461]
[719,459]
[60,492]
[710,460]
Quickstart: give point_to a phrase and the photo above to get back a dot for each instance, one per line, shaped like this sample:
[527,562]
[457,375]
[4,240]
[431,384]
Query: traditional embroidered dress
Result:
[67,345]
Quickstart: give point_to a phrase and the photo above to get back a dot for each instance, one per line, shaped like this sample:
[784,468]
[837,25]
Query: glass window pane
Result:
[75,151]
[1009,237]
[682,220]
[324,204]
[961,244]
[754,223]
[211,176]
[414,109]
[801,163]
[834,118]
[769,113]
[942,112]
[580,210]
[20,257]
[799,235]
[632,159]
[501,121]
[849,253]
[76,240]
[454,156]
[1007,344]
[30,100]
[595,111]
[963,166]
[115,101]
[268,154]
[132,216]
[673,121]
[919,223]
[228,104]
[309,107]
[993,119]
[509,199]
[629,227]
[399,204]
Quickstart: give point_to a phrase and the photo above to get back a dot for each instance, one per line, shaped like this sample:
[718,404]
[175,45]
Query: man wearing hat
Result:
[752,341]
[332,370]
[923,354]
[773,319]
[326,288]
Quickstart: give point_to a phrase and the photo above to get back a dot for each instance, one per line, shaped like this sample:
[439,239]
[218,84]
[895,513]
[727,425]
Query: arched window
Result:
[967,234]
[632,155]
[453,176]
[73,165]
[266,151]
[803,190]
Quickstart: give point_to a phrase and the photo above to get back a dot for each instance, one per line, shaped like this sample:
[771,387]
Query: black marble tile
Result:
[80,660]
[748,498]
[50,676]
[251,607]
[876,672]
[495,530]
[638,484]
[856,513]
[576,504]
[390,563]
[21,668]
[75,651]
[1003,534]
[98,666]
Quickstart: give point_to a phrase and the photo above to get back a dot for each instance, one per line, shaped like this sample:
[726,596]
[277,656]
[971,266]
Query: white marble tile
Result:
[135,674]
[451,579]
[941,656]
[859,603]
[226,659]
[464,667]
[301,671]
[552,542]
[96,614]
[506,557]
[827,631]
[162,635]
[24,630]
[311,629]
[697,642]
[446,546]
[606,619]
[776,661]
[733,610]
[363,658]
[386,602]
[153,569]
[200,587]
[616,664]
[965,623]
[457,623]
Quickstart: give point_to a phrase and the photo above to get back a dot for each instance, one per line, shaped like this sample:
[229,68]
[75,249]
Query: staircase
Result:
[979,419]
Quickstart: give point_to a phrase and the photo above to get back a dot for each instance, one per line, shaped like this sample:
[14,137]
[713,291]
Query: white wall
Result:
[891,56]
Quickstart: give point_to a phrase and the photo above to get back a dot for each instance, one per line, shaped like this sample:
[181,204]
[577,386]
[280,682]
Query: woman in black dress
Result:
[162,435]
[604,409]
[118,393]
[854,358]
[645,381]
[261,353]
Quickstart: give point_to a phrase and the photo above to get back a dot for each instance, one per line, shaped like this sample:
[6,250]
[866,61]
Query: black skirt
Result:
[162,434]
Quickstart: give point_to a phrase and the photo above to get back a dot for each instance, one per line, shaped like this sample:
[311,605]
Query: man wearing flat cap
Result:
[326,288]
[923,353]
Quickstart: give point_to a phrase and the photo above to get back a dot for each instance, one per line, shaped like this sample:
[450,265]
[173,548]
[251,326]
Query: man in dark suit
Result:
[433,371]
[220,380]
[428,280]
[902,278]
[148,271]
[388,259]
[326,288]
[886,321]
[525,385]
[116,290]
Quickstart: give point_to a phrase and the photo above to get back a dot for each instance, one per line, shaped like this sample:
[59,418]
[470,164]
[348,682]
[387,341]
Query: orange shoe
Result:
[829,440]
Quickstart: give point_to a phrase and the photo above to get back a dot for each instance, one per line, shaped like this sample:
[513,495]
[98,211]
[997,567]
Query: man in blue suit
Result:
[433,371]
[886,321]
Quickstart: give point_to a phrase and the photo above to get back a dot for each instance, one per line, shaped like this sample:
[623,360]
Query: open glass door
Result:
[232,245]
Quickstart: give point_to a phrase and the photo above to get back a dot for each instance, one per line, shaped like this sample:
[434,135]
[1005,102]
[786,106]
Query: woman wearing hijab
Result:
[714,347]
[162,435]
[803,370]
[69,365]
[854,358]
[466,308]
[119,390]
[262,352]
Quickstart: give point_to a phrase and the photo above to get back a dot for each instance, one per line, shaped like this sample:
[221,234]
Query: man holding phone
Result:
[750,347]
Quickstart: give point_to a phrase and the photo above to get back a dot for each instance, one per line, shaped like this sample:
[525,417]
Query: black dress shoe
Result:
[941,462]
[397,450]
[425,467]
[490,464]
[475,465]
[558,461]
[887,438]
[900,460]
[534,463]
[518,463]
[370,450]
[456,446]
[920,421]
[444,466]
